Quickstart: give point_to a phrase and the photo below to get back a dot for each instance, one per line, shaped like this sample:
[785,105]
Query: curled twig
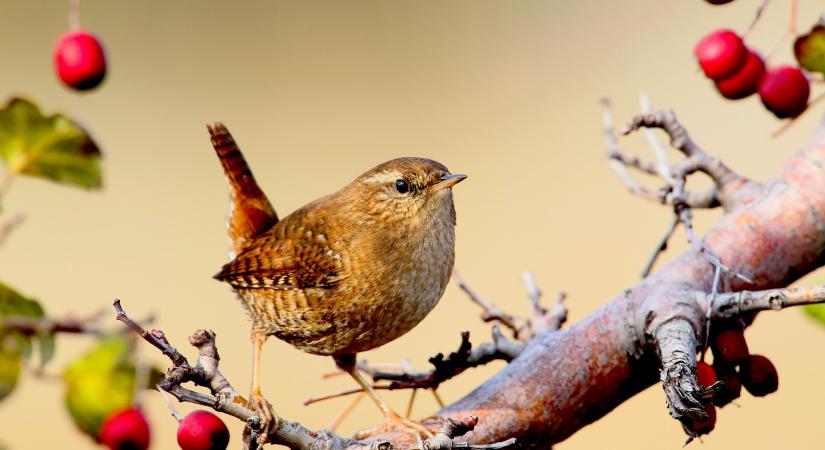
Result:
[455,363]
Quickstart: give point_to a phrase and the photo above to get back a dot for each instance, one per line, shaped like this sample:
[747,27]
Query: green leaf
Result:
[51,147]
[810,49]
[10,364]
[100,383]
[816,312]
[13,303]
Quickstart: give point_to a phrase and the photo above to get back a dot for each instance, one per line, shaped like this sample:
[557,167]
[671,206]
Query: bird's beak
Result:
[448,181]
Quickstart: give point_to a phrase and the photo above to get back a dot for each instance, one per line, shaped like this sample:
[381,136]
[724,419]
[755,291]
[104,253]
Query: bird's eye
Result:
[401,186]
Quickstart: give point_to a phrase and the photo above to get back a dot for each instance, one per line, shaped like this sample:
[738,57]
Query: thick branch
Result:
[566,379]
[607,357]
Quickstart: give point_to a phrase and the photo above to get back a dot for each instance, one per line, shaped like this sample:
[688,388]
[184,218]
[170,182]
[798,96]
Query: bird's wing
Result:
[302,260]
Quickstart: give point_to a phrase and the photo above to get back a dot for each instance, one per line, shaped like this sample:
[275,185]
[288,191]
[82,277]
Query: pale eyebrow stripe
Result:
[383,177]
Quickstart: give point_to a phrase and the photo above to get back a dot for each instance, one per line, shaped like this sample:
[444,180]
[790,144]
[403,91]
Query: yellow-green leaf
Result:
[10,362]
[13,303]
[100,383]
[817,312]
[810,49]
[51,147]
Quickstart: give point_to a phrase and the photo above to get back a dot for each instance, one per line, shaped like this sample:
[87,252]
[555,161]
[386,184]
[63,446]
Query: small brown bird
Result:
[346,273]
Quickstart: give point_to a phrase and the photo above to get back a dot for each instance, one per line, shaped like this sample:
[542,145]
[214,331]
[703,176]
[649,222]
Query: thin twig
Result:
[172,410]
[756,17]
[789,32]
[9,225]
[490,312]
[464,358]
[696,160]
[662,165]
[74,14]
[30,326]
[410,404]
[661,246]
[346,411]
[731,305]
[544,319]
[404,377]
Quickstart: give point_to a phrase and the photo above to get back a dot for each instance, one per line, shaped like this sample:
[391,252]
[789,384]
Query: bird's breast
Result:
[411,274]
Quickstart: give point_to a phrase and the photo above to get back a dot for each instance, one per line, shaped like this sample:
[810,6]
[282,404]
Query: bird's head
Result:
[407,192]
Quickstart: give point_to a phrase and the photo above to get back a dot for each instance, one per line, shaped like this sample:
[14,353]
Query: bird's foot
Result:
[268,419]
[394,422]
[412,427]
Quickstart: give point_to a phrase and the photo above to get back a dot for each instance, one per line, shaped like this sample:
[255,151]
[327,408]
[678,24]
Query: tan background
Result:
[317,92]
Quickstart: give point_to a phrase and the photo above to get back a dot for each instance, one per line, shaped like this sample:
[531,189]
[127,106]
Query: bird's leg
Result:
[347,364]
[269,420]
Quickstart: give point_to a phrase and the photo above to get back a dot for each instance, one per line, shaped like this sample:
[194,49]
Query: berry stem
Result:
[168,401]
[74,14]
[790,32]
[756,18]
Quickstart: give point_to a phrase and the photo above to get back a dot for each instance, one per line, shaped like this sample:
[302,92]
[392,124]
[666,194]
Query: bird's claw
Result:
[394,422]
[268,421]
[411,427]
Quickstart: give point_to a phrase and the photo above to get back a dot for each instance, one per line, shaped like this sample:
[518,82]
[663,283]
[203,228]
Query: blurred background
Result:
[316,92]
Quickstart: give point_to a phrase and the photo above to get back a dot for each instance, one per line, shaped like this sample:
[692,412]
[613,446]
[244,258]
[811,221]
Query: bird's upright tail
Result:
[250,211]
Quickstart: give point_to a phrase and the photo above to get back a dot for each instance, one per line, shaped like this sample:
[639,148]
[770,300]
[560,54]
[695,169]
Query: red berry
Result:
[125,430]
[729,345]
[732,389]
[721,54]
[704,426]
[79,60]
[759,376]
[744,82]
[784,91]
[705,375]
[202,430]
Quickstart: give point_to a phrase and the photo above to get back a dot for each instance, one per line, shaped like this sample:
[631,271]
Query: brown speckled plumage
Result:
[346,273]
[355,269]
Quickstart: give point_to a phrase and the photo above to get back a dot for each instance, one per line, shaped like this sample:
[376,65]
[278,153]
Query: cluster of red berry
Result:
[735,367]
[738,72]
[129,430]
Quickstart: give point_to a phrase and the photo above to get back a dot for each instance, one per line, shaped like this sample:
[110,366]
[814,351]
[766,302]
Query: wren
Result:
[346,273]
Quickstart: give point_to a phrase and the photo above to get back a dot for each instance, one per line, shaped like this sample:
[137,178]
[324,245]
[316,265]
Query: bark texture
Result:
[569,378]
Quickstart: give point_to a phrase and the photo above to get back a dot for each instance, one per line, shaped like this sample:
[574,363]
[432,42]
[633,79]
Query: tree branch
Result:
[732,305]
[455,363]
[225,399]
[566,379]
[30,326]
[612,354]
